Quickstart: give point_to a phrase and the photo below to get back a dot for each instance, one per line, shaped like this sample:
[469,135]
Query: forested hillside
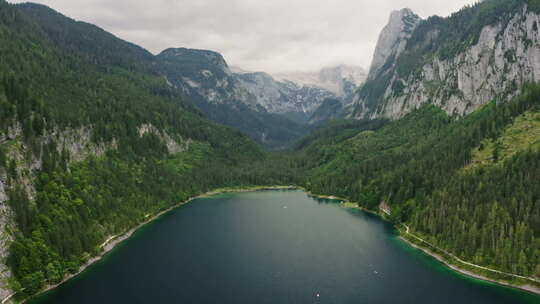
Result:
[93,141]
[425,166]
[206,79]
[461,62]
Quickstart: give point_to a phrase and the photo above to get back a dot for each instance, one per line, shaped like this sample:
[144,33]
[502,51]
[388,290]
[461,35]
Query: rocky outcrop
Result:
[78,143]
[283,97]
[505,56]
[5,237]
[393,38]
[13,131]
[304,93]
[173,146]
[341,80]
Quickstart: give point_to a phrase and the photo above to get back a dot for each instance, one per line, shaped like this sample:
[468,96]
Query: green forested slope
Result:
[109,55]
[421,166]
[442,38]
[58,75]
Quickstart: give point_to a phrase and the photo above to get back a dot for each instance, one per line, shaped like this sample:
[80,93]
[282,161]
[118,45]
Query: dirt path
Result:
[440,258]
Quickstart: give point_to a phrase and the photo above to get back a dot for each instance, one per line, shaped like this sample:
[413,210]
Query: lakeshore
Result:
[528,288]
[384,213]
[260,247]
[345,203]
[111,242]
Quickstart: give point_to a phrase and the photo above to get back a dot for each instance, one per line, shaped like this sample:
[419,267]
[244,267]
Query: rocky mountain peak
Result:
[334,79]
[393,38]
[458,72]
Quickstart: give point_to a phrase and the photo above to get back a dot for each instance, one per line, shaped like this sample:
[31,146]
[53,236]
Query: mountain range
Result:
[443,135]
[271,109]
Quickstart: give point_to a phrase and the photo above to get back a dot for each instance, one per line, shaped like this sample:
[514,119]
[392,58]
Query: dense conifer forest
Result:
[58,75]
[424,167]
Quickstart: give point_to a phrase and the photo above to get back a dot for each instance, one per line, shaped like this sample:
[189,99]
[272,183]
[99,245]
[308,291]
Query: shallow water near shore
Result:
[272,247]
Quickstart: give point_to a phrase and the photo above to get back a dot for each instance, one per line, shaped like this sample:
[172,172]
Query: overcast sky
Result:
[257,35]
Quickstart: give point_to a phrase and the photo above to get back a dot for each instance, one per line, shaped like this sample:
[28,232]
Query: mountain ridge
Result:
[393,38]
[459,63]
[92,142]
[206,77]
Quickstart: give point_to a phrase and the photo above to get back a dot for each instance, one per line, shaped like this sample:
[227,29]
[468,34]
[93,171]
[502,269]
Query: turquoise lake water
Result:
[272,247]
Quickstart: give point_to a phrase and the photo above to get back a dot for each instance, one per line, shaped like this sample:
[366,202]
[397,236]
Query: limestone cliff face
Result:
[340,80]
[307,94]
[79,146]
[505,56]
[283,97]
[6,222]
[393,38]
[173,146]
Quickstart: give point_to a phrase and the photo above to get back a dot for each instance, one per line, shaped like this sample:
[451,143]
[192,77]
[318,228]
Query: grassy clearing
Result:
[522,134]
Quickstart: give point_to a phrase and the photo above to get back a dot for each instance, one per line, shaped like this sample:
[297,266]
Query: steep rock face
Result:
[283,97]
[505,56]
[173,146]
[77,142]
[393,38]
[264,89]
[203,75]
[340,80]
[326,94]
[6,221]
[79,146]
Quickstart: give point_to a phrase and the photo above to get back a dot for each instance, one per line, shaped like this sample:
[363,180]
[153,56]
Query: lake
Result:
[272,247]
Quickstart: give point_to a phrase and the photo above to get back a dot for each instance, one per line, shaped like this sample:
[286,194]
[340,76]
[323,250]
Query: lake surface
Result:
[272,247]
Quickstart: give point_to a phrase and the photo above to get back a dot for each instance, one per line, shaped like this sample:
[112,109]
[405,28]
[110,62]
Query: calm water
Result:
[272,247]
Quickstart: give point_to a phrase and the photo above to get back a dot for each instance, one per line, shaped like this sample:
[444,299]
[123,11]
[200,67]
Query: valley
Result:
[99,135]
[263,236]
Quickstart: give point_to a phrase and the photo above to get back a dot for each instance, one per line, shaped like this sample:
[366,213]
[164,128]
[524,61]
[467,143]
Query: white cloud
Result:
[272,36]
